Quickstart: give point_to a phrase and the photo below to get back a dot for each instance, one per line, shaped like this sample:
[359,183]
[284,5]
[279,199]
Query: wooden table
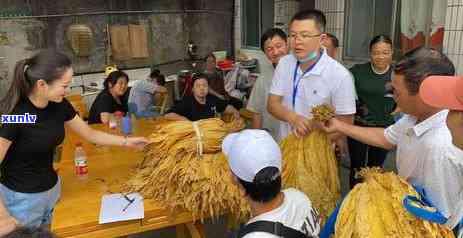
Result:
[77,212]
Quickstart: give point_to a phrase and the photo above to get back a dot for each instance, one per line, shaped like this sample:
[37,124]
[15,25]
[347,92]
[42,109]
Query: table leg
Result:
[180,231]
[232,223]
[201,229]
[196,230]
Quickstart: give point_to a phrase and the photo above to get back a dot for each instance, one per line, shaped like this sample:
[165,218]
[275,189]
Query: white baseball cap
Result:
[249,151]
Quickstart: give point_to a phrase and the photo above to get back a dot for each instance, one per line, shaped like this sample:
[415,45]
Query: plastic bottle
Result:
[112,122]
[118,116]
[127,125]
[80,161]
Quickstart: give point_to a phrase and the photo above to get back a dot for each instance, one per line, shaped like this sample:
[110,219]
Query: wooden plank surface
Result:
[77,212]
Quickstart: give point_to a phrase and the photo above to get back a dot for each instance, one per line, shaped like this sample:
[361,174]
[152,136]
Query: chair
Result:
[133,109]
[77,101]
[160,102]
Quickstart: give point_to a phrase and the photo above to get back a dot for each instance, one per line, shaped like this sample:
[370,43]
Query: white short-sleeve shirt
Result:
[328,82]
[257,102]
[142,94]
[295,212]
[427,157]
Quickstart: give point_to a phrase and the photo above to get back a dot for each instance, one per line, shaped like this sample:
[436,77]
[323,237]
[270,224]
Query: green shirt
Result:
[375,102]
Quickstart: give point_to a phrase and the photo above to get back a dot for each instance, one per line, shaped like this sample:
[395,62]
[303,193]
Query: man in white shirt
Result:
[331,43]
[309,77]
[426,156]
[273,44]
[142,94]
[447,92]
[255,162]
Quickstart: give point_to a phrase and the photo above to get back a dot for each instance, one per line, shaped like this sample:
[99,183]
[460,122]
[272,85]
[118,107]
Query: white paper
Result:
[112,206]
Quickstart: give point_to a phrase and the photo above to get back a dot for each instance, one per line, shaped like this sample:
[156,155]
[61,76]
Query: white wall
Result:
[98,78]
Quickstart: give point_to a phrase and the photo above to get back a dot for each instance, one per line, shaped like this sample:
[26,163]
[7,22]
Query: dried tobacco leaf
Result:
[374,208]
[177,174]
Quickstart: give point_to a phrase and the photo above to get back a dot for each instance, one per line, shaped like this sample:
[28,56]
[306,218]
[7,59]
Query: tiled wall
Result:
[453,36]
[334,12]
[237,25]
[284,11]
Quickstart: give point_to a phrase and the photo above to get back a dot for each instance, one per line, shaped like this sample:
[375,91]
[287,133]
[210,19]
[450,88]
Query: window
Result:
[366,19]
[257,16]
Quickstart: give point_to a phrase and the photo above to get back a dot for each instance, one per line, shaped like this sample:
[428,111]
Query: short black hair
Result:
[334,39]
[197,76]
[113,77]
[24,232]
[420,63]
[160,79]
[380,38]
[311,14]
[211,54]
[154,73]
[266,185]
[269,34]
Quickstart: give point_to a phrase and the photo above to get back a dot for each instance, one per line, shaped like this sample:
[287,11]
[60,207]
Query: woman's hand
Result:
[232,110]
[135,142]
[104,117]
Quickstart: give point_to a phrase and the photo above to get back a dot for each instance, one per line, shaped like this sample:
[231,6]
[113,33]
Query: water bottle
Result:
[80,161]
[127,125]
[116,120]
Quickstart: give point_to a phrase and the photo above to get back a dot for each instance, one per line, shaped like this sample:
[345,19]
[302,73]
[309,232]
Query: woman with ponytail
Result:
[33,115]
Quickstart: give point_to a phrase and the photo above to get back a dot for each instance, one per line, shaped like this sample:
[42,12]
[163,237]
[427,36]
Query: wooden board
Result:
[120,44]
[138,41]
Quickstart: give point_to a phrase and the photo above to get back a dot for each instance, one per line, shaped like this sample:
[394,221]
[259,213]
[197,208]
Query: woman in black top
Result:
[30,186]
[374,104]
[201,105]
[111,99]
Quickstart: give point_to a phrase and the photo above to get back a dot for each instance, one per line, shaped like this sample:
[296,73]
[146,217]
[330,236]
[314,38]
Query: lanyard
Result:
[297,81]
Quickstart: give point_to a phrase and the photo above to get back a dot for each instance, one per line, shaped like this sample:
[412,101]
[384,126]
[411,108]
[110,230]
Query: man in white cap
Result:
[255,162]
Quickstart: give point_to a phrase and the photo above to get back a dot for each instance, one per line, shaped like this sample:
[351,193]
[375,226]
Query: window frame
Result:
[393,29]
[260,23]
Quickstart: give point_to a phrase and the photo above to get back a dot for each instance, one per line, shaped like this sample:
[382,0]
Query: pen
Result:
[128,204]
[130,201]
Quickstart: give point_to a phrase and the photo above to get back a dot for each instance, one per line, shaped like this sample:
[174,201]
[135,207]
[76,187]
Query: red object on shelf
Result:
[225,64]
[188,87]
[185,84]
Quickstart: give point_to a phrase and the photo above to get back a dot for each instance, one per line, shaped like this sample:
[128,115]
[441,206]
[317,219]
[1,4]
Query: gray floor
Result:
[217,229]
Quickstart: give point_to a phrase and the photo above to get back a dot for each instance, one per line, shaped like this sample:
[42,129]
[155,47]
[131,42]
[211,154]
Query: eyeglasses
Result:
[303,36]
[378,53]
